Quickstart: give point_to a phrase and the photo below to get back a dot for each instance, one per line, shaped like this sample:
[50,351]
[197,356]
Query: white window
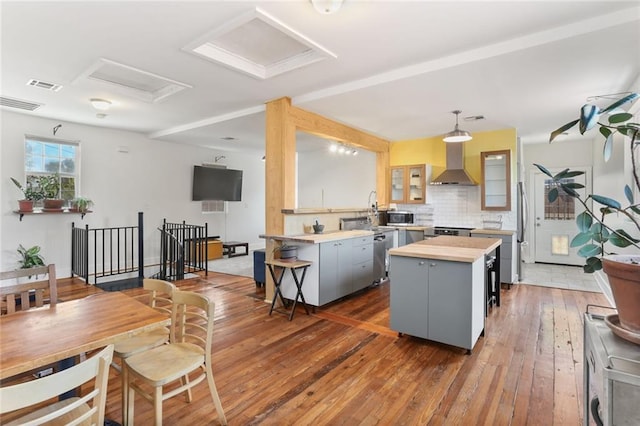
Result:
[47,157]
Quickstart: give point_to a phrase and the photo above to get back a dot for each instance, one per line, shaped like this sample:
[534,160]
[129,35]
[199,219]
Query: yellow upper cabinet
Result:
[408,184]
[495,167]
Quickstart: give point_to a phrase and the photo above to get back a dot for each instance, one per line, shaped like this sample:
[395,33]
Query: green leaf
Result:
[592,264]
[553,195]
[635,209]
[584,222]
[628,193]
[622,239]
[605,131]
[619,102]
[590,250]
[566,174]
[561,130]
[600,233]
[569,190]
[581,239]
[609,202]
[608,148]
[573,185]
[620,117]
[543,170]
[588,117]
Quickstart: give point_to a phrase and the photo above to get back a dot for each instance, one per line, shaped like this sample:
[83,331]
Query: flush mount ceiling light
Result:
[457,135]
[326,7]
[100,104]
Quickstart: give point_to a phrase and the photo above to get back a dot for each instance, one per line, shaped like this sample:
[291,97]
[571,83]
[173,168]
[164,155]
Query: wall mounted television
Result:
[214,183]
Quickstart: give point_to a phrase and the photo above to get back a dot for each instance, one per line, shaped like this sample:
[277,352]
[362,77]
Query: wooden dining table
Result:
[38,337]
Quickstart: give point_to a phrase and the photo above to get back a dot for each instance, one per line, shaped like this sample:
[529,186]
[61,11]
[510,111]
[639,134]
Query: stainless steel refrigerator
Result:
[522,209]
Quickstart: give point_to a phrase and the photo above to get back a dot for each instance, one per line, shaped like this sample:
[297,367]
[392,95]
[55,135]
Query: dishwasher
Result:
[379,257]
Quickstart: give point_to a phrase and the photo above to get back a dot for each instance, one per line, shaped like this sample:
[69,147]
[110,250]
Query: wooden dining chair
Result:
[24,296]
[189,350]
[160,298]
[88,409]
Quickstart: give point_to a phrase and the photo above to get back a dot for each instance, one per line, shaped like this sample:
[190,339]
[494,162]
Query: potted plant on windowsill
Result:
[598,239]
[31,194]
[80,205]
[50,185]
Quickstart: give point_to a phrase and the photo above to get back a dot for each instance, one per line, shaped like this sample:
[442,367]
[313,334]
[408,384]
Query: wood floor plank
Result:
[344,366]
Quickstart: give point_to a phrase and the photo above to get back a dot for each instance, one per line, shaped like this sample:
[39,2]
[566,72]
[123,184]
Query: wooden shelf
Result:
[40,212]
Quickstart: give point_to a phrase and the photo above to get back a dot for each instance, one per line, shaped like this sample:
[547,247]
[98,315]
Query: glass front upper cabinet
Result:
[496,178]
[408,184]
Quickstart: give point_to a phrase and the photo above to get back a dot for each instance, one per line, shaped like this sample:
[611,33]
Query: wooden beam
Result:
[318,125]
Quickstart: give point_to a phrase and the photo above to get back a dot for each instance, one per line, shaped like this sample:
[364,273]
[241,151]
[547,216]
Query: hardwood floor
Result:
[343,365]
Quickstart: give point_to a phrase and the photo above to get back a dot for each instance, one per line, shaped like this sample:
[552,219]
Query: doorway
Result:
[554,224]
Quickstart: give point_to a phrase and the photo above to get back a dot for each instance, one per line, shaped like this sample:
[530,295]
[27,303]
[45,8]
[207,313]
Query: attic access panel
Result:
[259,45]
[131,81]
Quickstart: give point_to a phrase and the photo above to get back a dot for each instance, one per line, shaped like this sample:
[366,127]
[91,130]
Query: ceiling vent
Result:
[259,45]
[130,81]
[19,104]
[44,85]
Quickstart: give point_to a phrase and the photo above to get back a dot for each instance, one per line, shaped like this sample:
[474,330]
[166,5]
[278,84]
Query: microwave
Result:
[399,218]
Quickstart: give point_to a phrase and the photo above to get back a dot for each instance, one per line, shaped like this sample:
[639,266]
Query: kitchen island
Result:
[342,263]
[438,289]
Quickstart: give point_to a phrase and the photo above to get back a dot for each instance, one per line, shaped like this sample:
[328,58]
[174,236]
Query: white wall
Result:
[153,177]
[330,180]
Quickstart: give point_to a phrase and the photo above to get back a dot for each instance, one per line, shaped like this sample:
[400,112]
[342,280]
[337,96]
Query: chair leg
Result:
[131,396]
[184,380]
[157,405]
[125,391]
[216,398]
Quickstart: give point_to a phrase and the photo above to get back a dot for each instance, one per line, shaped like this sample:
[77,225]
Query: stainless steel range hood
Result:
[454,173]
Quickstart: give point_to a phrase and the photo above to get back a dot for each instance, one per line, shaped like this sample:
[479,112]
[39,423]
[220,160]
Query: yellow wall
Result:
[432,151]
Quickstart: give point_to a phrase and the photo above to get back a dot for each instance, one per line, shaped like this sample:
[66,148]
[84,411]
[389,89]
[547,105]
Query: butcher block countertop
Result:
[320,238]
[445,247]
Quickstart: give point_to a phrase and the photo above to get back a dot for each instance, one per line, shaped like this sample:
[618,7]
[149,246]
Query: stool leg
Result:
[276,283]
[299,291]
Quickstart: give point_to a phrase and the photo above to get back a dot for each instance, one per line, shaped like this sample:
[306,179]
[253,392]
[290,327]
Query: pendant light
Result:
[457,135]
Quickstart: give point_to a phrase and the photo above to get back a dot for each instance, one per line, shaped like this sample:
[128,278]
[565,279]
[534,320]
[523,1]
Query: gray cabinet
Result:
[362,263]
[508,255]
[439,300]
[335,270]
[345,266]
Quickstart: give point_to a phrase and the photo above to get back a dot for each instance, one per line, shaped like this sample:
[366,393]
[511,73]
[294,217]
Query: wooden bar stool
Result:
[293,266]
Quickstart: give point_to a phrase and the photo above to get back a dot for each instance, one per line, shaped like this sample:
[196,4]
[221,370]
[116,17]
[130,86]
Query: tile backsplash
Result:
[457,206]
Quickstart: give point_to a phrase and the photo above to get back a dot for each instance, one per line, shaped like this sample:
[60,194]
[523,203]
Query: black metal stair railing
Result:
[112,251]
[183,249]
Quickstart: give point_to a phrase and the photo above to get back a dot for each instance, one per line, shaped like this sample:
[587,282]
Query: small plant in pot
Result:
[81,204]
[598,239]
[31,194]
[30,257]
[50,185]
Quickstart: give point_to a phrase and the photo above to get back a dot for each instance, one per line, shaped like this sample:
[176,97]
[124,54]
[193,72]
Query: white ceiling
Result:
[399,71]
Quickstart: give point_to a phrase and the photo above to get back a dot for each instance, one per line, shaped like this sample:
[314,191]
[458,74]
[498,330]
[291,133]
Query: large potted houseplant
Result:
[597,238]
[50,185]
[31,194]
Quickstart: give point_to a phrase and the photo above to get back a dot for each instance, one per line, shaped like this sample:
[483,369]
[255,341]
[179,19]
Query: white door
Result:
[555,223]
